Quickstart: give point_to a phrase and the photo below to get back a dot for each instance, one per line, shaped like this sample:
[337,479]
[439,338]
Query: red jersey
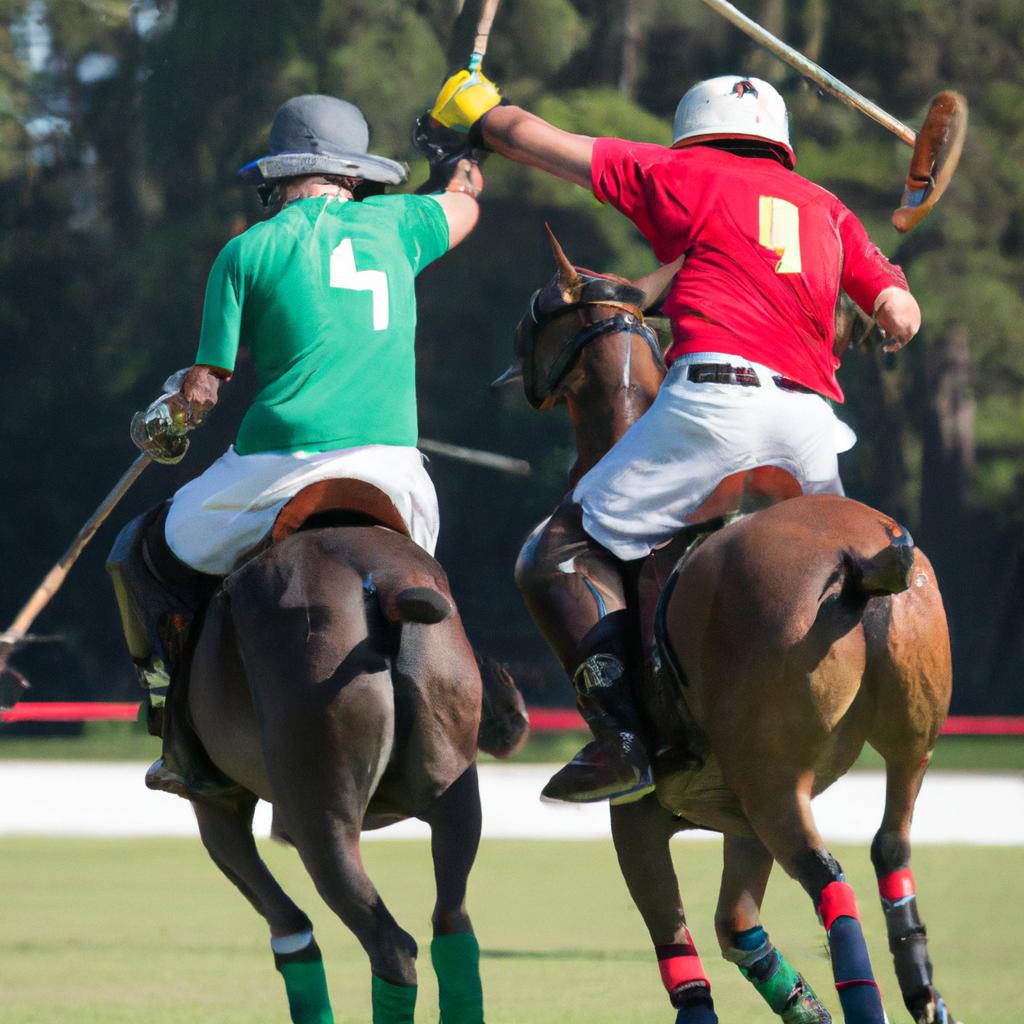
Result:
[767,252]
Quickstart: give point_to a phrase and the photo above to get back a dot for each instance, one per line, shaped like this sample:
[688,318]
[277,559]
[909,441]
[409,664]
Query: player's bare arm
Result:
[472,105]
[521,136]
[459,201]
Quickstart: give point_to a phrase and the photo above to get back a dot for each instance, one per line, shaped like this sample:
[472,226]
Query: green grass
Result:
[118,932]
[126,741]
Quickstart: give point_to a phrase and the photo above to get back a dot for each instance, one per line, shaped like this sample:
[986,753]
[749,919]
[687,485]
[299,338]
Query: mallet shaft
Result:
[483,30]
[505,463]
[814,72]
[56,576]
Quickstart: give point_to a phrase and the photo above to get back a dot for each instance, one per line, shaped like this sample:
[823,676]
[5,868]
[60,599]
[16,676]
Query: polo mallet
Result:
[483,30]
[442,147]
[12,682]
[158,421]
[476,457]
[937,146]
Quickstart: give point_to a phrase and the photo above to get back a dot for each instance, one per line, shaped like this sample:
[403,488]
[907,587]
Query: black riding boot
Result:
[615,765]
[159,597]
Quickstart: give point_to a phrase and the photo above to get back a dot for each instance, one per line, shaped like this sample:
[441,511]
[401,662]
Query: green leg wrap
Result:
[306,985]
[776,989]
[777,982]
[393,1004]
[456,960]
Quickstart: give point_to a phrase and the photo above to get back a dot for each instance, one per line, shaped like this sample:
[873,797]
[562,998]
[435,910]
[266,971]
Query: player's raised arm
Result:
[473,106]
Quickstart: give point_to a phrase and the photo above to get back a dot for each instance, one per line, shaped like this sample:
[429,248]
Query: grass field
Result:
[122,932]
[129,742]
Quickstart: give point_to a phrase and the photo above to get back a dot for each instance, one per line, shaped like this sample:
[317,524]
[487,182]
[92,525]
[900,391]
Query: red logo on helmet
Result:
[742,88]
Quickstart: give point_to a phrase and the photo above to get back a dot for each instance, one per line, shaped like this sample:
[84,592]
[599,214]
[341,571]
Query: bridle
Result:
[629,320]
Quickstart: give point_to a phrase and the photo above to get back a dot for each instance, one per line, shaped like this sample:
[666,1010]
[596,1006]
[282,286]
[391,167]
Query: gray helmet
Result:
[321,135]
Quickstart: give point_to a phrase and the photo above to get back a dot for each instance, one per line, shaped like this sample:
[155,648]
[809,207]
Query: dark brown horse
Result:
[794,634]
[332,677]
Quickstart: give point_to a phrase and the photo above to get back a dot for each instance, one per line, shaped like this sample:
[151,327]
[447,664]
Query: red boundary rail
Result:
[541,719]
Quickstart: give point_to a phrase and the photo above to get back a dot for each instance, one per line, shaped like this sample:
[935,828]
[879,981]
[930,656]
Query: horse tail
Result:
[887,572]
[504,722]
[404,597]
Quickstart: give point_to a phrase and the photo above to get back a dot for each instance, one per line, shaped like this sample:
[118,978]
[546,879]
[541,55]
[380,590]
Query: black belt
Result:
[744,376]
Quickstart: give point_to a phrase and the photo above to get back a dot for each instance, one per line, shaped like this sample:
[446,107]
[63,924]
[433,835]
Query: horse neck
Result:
[613,385]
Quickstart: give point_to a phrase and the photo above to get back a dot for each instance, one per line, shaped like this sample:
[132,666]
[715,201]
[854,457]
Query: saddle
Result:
[340,501]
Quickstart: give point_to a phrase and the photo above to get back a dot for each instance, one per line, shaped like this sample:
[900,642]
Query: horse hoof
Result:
[806,1008]
[932,1010]
[423,605]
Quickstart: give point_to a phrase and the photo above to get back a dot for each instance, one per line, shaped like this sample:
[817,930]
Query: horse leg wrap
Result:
[775,980]
[304,980]
[823,878]
[851,967]
[392,1004]
[907,939]
[456,960]
[687,985]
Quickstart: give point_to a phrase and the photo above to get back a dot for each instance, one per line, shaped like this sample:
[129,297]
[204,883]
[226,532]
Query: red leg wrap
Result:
[837,900]
[679,964]
[897,885]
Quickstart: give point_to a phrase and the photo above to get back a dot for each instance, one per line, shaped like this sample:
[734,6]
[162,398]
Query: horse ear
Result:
[655,284]
[568,279]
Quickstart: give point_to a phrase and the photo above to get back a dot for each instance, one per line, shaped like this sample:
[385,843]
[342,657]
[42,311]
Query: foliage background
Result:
[122,124]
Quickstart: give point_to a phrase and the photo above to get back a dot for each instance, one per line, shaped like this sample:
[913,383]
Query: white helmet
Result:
[732,107]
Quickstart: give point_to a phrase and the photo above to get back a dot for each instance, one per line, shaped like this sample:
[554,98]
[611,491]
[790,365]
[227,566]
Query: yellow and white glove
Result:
[464,98]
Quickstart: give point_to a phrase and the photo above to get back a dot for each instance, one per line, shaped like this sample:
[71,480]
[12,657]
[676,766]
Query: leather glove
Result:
[443,148]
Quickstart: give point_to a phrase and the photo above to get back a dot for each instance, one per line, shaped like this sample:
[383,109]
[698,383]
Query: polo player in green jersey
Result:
[322,293]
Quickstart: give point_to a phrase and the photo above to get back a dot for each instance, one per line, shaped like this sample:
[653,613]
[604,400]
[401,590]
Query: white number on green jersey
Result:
[345,275]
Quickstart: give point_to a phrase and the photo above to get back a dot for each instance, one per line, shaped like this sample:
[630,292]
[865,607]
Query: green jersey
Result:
[323,294]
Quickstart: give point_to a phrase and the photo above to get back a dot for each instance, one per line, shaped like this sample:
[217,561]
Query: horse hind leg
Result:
[744,941]
[641,832]
[455,825]
[890,855]
[778,805]
[226,832]
[321,685]
[322,805]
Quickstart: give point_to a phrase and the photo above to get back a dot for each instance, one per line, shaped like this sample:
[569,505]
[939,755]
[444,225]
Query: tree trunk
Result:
[953,543]
[889,415]
[948,460]
[630,28]
[772,17]
[815,19]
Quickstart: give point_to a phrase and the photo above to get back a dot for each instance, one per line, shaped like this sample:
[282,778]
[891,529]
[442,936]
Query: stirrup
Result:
[160,777]
[618,771]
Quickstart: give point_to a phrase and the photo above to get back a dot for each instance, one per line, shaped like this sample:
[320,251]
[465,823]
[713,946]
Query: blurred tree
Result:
[122,123]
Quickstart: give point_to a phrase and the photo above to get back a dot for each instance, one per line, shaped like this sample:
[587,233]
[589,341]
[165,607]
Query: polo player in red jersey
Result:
[760,256]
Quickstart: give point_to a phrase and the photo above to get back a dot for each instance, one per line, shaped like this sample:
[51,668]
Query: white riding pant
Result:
[216,519]
[667,464]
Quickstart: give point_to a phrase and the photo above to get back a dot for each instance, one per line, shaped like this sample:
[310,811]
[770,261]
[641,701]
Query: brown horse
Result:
[332,677]
[791,636]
